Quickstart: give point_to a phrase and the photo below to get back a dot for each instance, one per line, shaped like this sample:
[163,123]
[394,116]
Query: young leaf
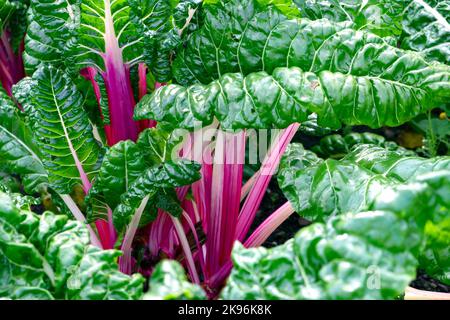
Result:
[64,134]
[163,23]
[121,166]
[49,257]
[158,144]
[169,282]
[168,175]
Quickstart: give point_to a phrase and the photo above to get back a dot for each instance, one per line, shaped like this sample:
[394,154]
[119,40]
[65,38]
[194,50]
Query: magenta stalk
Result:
[268,168]
[263,232]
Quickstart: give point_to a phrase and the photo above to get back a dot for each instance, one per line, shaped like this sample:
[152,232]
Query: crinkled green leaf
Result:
[187,17]
[64,133]
[169,282]
[97,278]
[49,256]
[311,128]
[121,166]
[18,153]
[343,75]
[395,165]
[51,26]
[127,161]
[337,146]
[382,17]
[427,29]
[158,145]
[23,202]
[163,23]
[366,255]
[321,189]
[290,95]
[435,258]
[167,176]
[232,31]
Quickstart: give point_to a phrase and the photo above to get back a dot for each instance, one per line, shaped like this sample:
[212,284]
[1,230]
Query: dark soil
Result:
[425,282]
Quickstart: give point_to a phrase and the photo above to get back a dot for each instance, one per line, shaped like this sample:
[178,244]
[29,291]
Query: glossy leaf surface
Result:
[18,152]
[366,255]
[169,282]
[49,257]
[63,129]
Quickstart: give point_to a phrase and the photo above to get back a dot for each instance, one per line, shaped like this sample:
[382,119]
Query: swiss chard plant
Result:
[132,121]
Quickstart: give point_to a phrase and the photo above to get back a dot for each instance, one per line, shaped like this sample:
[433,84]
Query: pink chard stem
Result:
[263,232]
[186,249]
[259,236]
[268,168]
[226,188]
[118,86]
[11,64]
[125,262]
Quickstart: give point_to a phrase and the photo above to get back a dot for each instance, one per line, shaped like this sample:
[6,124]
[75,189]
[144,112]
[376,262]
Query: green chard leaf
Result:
[23,202]
[395,165]
[51,26]
[426,28]
[121,166]
[290,95]
[163,23]
[104,29]
[49,257]
[17,24]
[230,28]
[18,152]
[127,161]
[158,145]
[343,75]
[365,255]
[337,146]
[61,126]
[435,257]
[383,17]
[311,128]
[321,189]
[169,282]
[156,182]
[7,8]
